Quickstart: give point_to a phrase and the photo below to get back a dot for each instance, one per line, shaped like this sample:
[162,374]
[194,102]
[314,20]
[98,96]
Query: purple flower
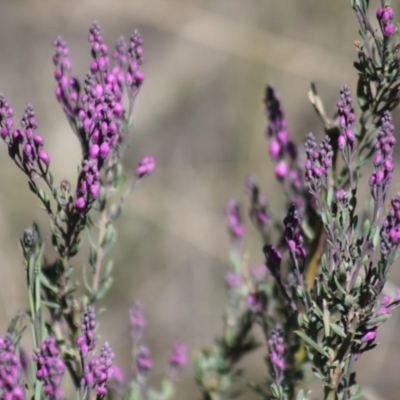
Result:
[258,208]
[385,17]
[383,159]
[10,371]
[258,273]
[50,368]
[117,374]
[137,321]
[144,364]
[273,259]
[178,359]
[234,219]
[68,88]
[277,351]
[43,156]
[369,336]
[255,301]
[283,151]
[24,145]
[318,163]
[346,119]
[390,230]
[281,170]
[292,234]
[89,177]
[86,342]
[145,166]
[233,280]
[98,371]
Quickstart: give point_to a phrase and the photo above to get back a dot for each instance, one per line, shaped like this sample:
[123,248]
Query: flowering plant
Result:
[62,319]
[320,298]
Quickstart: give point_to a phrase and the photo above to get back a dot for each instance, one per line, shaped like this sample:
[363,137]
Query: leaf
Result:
[378,319]
[45,282]
[85,280]
[338,330]
[338,285]
[366,227]
[326,318]
[376,237]
[329,197]
[50,304]
[311,343]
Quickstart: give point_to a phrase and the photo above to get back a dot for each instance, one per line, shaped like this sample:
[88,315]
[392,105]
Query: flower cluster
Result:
[98,113]
[88,184]
[145,166]
[144,363]
[258,207]
[86,341]
[25,146]
[390,231]
[50,368]
[137,321]
[318,164]
[383,159]
[234,219]
[273,260]
[385,17]
[277,350]
[346,120]
[178,359]
[98,371]
[283,151]
[277,132]
[10,371]
[292,234]
[68,88]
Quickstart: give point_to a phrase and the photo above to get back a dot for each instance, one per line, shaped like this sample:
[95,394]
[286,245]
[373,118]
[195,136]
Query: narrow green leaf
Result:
[50,304]
[338,330]
[311,343]
[329,197]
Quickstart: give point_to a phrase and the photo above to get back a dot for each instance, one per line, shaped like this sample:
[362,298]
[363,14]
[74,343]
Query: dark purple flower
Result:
[390,230]
[273,259]
[258,208]
[292,234]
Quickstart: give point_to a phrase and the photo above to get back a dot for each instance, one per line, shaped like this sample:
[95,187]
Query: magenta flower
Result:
[50,368]
[369,336]
[145,166]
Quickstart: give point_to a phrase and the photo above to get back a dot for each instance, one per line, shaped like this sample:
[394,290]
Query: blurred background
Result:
[200,113]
